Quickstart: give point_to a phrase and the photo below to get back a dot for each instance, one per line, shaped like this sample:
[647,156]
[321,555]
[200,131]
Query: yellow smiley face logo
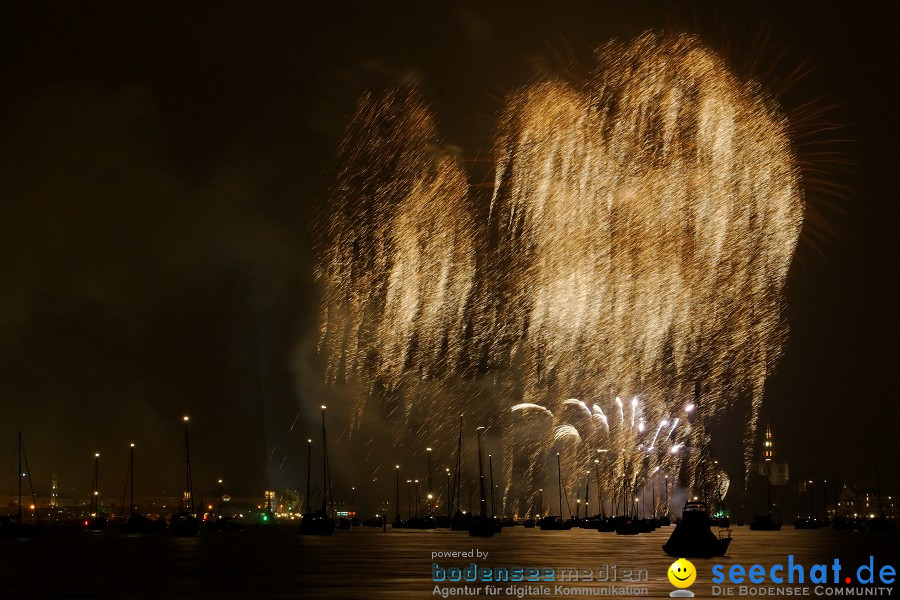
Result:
[682,573]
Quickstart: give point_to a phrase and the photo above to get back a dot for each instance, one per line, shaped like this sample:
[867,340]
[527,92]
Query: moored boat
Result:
[693,538]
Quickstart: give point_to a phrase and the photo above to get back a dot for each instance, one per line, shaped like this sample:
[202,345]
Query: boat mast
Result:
[480,470]
[458,474]
[131,470]
[587,489]
[397,494]
[22,454]
[326,479]
[491,469]
[19,476]
[95,500]
[559,477]
[187,453]
[308,471]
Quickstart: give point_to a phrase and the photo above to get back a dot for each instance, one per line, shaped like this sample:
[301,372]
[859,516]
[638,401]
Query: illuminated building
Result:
[776,472]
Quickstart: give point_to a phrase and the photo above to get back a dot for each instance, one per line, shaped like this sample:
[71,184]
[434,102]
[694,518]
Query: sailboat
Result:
[13,526]
[460,520]
[693,538]
[184,523]
[556,523]
[97,521]
[627,524]
[135,522]
[223,523]
[498,524]
[481,525]
[318,523]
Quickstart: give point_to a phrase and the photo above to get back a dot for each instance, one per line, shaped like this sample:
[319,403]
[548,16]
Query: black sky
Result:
[161,166]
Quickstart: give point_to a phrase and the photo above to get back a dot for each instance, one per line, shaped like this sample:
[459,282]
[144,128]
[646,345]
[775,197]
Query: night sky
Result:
[162,166]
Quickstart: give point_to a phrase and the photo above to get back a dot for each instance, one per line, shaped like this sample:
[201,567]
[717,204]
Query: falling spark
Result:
[529,405]
[674,425]
[566,431]
[579,403]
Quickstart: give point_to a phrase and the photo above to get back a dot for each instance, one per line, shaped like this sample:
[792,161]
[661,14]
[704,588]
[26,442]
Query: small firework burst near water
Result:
[641,228]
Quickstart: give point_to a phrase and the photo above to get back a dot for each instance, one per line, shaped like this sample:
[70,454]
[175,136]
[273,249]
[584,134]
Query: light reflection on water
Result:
[366,563]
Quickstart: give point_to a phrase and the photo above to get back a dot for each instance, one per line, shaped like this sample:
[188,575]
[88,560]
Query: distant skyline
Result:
[162,168]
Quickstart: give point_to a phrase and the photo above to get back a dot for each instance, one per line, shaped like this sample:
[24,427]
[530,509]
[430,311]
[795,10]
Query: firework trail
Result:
[398,263]
[639,236]
[647,218]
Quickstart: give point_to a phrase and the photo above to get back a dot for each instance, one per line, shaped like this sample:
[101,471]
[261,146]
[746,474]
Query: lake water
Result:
[277,562]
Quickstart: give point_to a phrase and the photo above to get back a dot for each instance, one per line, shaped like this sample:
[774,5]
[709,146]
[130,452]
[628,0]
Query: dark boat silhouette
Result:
[528,524]
[767,522]
[881,524]
[15,526]
[319,522]
[224,524]
[807,523]
[764,523]
[185,523]
[421,523]
[11,526]
[373,522]
[722,522]
[693,538]
[498,523]
[647,525]
[628,526]
[96,521]
[135,522]
[460,521]
[481,525]
[553,522]
[608,524]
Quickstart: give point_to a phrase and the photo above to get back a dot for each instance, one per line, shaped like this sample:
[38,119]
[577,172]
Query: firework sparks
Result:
[642,225]
[649,216]
[399,261]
